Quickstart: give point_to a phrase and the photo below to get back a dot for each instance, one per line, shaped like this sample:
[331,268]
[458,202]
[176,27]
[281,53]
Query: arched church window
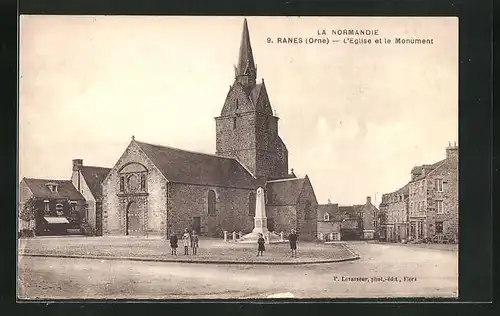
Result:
[307,210]
[122,183]
[251,204]
[211,202]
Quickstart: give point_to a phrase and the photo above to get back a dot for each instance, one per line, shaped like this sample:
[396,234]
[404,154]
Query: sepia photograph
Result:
[237,157]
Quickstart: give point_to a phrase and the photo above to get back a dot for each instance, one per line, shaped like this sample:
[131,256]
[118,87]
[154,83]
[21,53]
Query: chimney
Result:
[452,151]
[368,200]
[77,164]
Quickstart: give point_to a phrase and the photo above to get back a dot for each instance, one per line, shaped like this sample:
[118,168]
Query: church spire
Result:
[246,72]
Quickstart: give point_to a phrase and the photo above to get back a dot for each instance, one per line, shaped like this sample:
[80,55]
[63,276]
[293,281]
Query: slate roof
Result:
[94,176]
[331,209]
[65,189]
[417,170]
[284,192]
[349,211]
[189,167]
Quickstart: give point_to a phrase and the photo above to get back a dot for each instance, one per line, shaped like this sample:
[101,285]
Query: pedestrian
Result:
[173,243]
[186,239]
[194,242]
[261,248]
[292,238]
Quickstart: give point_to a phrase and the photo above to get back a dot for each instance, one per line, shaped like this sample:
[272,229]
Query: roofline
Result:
[84,166]
[437,167]
[27,185]
[180,149]
[213,185]
[48,180]
[285,179]
[244,167]
[34,195]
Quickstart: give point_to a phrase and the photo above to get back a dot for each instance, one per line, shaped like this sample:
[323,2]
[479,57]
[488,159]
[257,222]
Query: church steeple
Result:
[245,70]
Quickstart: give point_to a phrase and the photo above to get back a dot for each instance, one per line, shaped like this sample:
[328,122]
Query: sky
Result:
[355,118]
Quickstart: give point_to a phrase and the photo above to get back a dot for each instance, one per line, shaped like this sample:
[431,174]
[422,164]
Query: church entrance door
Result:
[134,227]
[196,224]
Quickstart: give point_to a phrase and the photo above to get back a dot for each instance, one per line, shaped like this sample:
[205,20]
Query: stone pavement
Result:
[157,250]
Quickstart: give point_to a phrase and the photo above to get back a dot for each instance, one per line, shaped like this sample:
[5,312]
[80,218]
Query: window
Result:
[326,217]
[439,227]
[143,182]
[234,122]
[439,185]
[439,205]
[211,202]
[307,210]
[122,183]
[47,207]
[251,204]
[237,105]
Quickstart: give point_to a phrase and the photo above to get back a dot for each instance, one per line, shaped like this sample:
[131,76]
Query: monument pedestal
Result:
[260,223]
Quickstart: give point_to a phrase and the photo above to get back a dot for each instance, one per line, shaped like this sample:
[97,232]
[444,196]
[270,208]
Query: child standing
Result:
[261,248]
[292,238]
[173,243]
[186,239]
[194,242]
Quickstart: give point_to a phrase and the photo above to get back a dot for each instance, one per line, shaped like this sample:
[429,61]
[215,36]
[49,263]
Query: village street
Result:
[404,271]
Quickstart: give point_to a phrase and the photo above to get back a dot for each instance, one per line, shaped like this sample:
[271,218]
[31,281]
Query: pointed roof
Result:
[187,167]
[65,189]
[94,176]
[245,57]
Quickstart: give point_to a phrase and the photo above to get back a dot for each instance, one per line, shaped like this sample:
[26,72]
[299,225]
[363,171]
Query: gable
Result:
[237,101]
[261,99]
[94,177]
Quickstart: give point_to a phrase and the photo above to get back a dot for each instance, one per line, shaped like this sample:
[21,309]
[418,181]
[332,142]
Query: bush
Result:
[26,233]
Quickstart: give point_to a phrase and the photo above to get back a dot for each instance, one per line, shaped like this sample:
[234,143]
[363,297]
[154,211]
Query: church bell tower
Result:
[247,128]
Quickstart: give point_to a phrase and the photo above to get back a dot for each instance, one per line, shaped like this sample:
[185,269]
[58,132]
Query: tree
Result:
[28,211]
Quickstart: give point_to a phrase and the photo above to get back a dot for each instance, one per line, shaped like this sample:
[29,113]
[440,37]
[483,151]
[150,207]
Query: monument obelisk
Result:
[260,222]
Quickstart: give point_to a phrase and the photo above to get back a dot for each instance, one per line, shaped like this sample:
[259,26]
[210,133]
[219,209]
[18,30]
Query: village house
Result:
[395,207]
[157,190]
[356,222]
[430,200]
[88,181]
[57,206]
[329,221]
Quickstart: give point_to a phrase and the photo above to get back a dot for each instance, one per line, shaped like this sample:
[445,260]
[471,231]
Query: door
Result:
[196,224]
[134,227]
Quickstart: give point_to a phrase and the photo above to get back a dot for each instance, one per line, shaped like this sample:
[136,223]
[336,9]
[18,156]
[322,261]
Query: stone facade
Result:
[395,206]
[186,202]
[431,207]
[151,202]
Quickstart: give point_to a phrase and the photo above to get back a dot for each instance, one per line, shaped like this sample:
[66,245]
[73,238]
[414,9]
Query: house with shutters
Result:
[58,205]
[155,189]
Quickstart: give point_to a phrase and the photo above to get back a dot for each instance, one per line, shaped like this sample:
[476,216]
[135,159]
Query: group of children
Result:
[191,241]
[188,240]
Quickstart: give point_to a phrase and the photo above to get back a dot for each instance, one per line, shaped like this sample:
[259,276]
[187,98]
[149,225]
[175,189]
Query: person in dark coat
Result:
[194,242]
[173,243]
[261,248]
[292,238]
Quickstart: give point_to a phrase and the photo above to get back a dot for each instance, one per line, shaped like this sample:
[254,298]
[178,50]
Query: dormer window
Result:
[326,217]
[52,187]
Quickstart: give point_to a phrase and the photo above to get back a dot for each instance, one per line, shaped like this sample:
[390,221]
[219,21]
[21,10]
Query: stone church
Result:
[157,190]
